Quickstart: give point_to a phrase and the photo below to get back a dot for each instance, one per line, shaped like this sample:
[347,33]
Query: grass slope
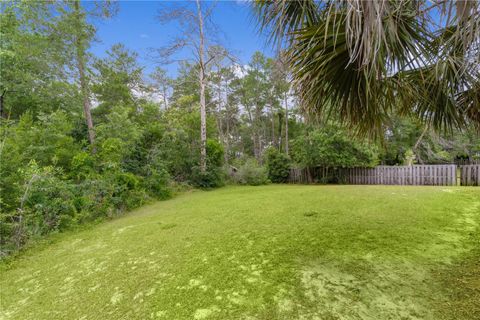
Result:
[272,252]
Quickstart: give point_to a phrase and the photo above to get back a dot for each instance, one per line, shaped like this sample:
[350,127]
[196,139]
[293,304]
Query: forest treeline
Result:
[85,138]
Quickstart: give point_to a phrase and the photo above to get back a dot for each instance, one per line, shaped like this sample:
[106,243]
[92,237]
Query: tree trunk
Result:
[257,135]
[164,89]
[280,131]
[219,114]
[203,111]
[83,81]
[203,126]
[253,125]
[286,123]
[309,175]
[256,147]
[227,139]
[227,123]
[274,143]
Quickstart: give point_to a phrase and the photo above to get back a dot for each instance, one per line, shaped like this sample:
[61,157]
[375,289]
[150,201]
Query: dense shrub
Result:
[127,192]
[47,204]
[51,180]
[215,154]
[278,165]
[214,176]
[156,179]
[211,178]
[82,166]
[332,146]
[251,173]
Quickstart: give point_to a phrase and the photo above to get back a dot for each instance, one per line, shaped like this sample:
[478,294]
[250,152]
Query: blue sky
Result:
[136,26]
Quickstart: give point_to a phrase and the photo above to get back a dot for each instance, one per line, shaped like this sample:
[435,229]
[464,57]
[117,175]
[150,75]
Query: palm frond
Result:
[283,17]
[362,60]
[333,82]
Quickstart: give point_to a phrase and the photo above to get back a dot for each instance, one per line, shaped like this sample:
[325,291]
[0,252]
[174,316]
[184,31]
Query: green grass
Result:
[272,252]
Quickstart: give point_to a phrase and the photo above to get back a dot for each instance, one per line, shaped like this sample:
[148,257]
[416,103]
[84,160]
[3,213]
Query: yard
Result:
[269,252]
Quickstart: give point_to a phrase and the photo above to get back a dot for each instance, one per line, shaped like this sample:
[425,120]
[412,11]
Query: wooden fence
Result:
[470,175]
[463,162]
[434,175]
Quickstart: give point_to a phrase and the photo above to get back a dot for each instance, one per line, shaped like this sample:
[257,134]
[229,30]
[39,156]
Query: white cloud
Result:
[240,70]
[151,95]
[144,36]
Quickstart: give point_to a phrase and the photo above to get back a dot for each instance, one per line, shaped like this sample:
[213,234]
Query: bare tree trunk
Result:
[164,89]
[258,127]
[280,131]
[286,123]
[274,142]
[227,139]
[227,123]
[219,113]
[262,140]
[219,119]
[256,147]
[253,125]
[83,81]
[203,111]
[203,126]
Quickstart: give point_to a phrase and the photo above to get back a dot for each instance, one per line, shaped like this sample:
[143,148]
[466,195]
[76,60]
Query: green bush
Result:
[215,153]
[211,178]
[127,193]
[332,146]
[109,194]
[278,165]
[251,173]
[46,205]
[156,180]
[82,165]
[95,198]
[214,176]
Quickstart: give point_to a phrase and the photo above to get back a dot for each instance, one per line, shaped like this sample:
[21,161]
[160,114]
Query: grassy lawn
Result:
[272,252]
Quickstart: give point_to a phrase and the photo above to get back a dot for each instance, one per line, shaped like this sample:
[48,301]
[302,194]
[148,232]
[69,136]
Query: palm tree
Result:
[363,60]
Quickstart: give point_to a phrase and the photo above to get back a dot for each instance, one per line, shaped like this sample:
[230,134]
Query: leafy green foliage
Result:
[332,147]
[278,165]
[359,60]
[211,178]
[46,205]
[251,173]
[405,135]
[118,74]
[214,153]
[214,176]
